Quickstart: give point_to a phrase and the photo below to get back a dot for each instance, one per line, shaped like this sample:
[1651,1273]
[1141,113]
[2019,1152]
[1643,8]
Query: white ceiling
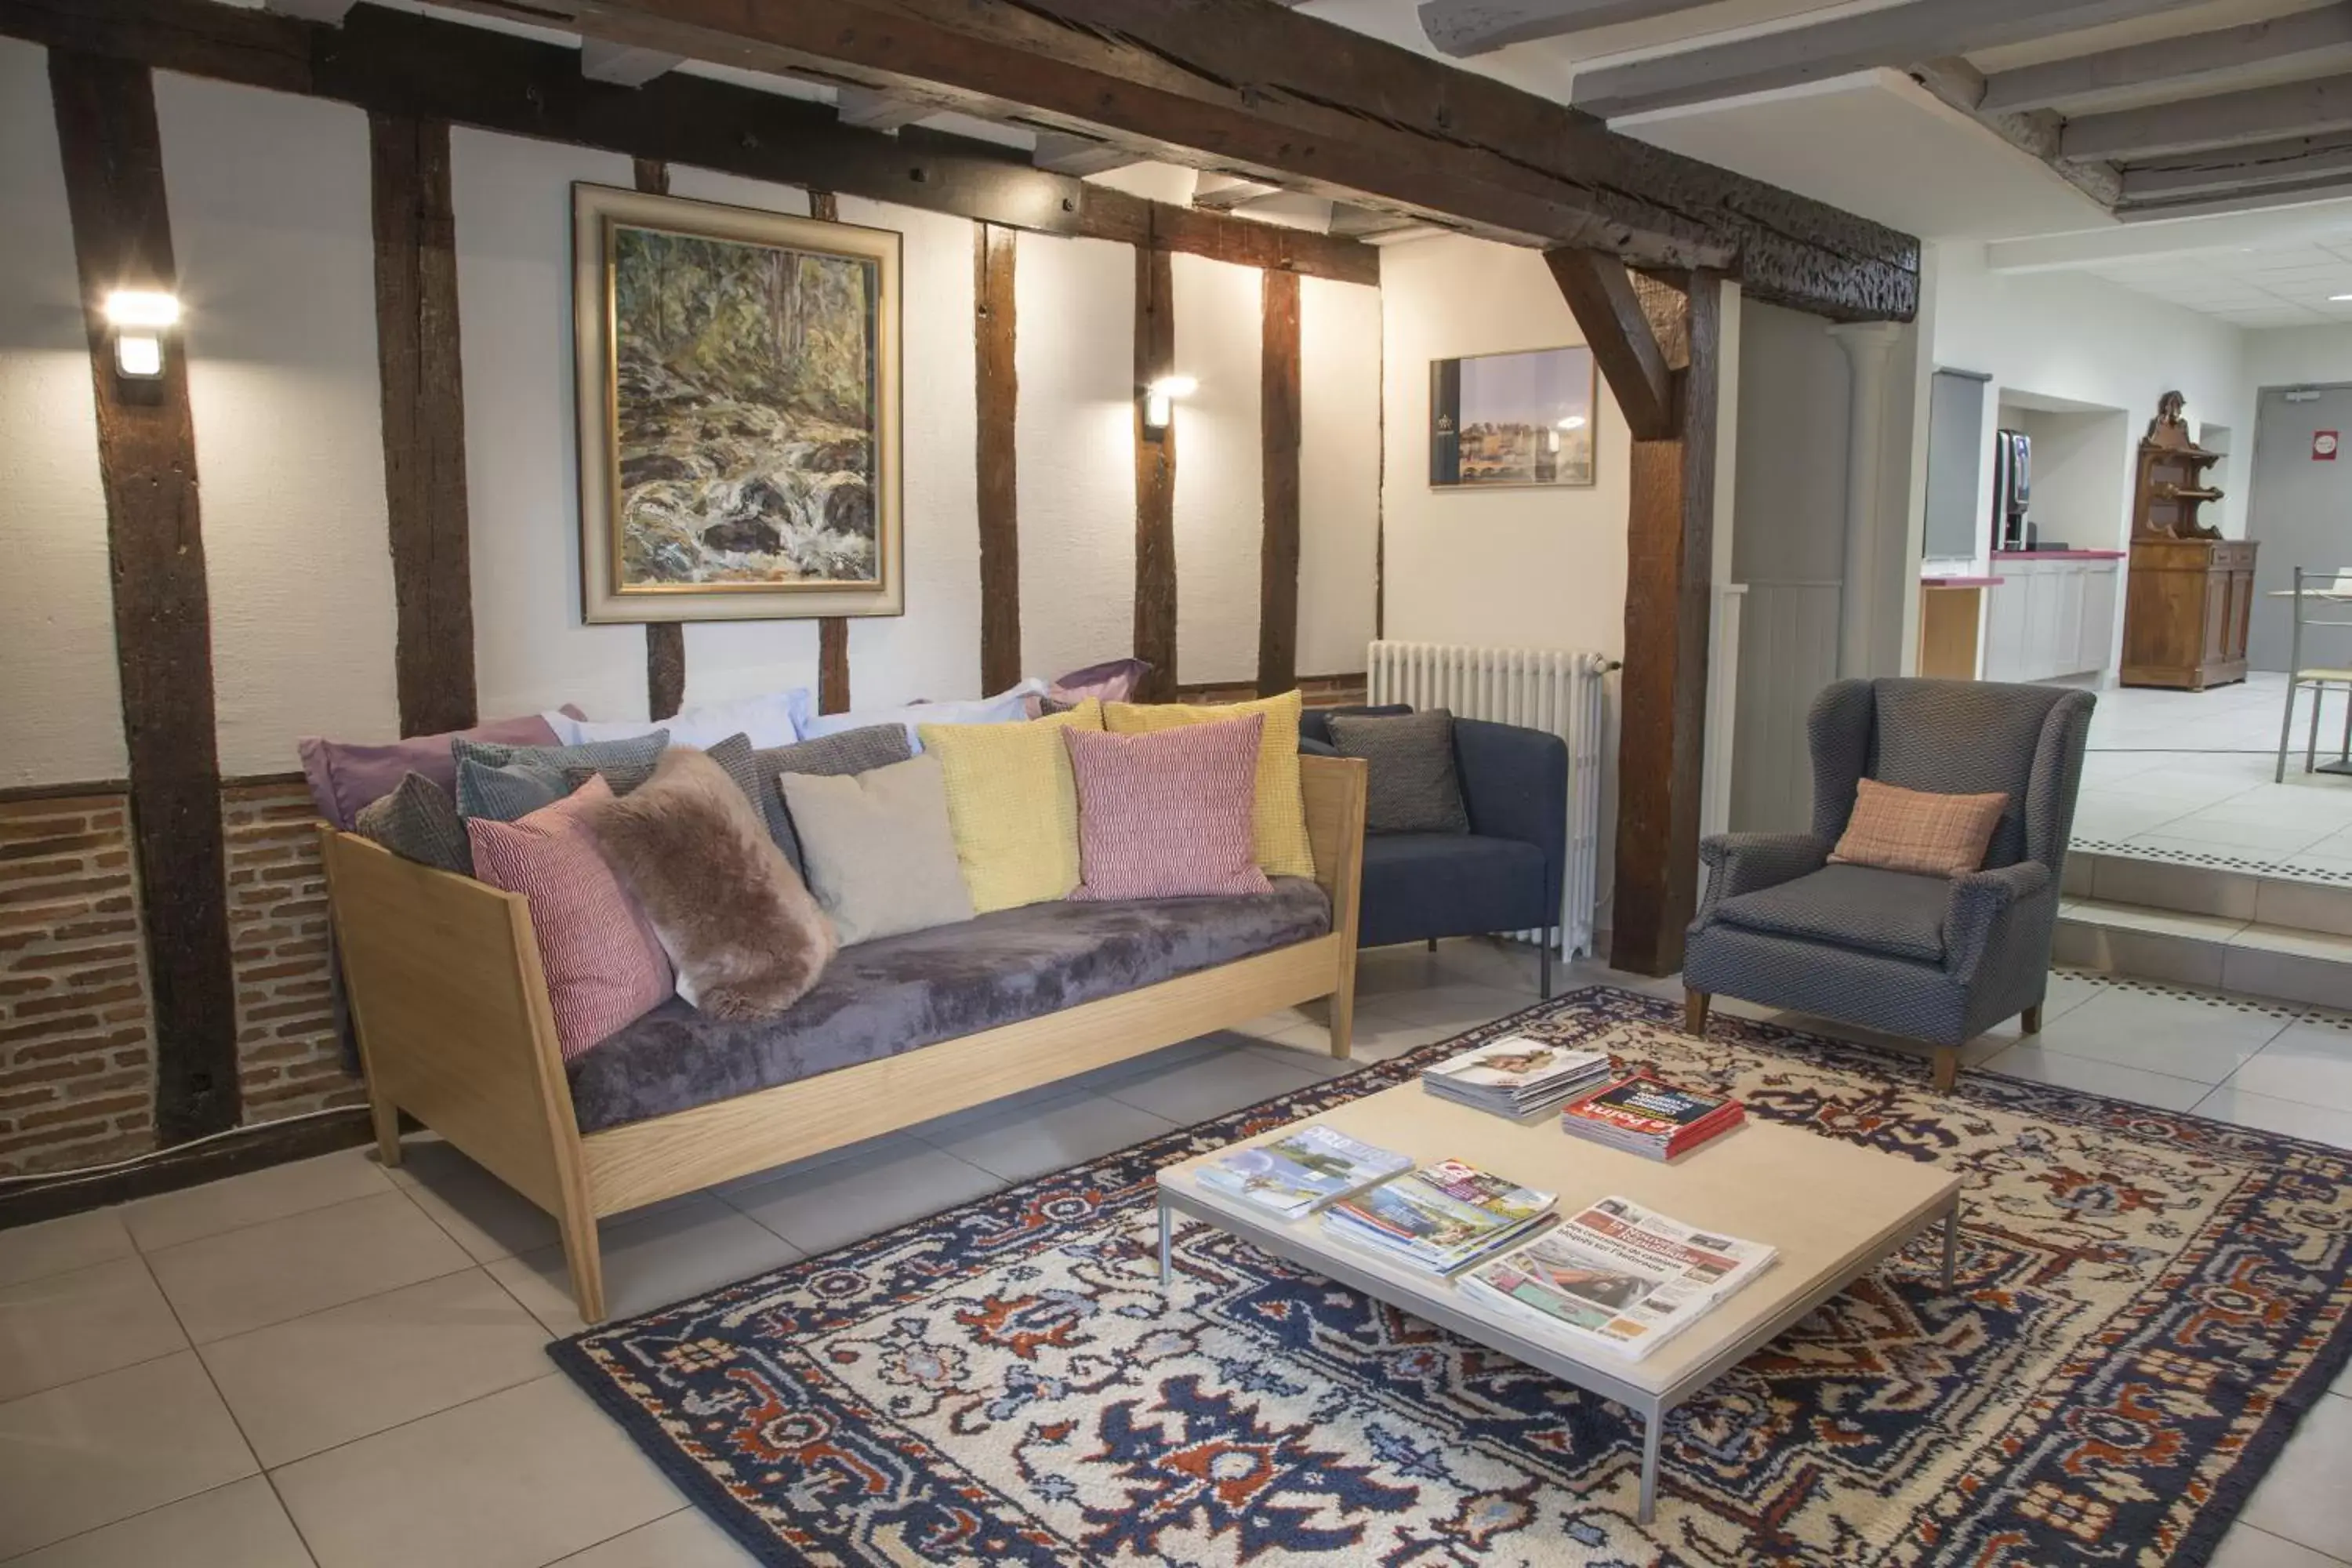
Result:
[2287,286]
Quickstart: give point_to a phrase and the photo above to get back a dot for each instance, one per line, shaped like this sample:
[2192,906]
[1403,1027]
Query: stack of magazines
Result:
[1617,1277]
[1441,1217]
[1294,1172]
[1642,1116]
[1517,1077]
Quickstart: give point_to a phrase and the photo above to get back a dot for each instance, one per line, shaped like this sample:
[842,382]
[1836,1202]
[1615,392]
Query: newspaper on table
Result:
[1617,1277]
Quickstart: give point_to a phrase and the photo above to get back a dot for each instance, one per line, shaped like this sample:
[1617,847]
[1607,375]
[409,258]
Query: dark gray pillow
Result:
[1412,786]
[418,821]
[850,751]
[508,792]
[626,765]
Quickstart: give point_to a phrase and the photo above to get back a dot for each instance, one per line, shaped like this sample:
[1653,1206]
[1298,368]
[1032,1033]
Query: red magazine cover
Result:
[1647,1109]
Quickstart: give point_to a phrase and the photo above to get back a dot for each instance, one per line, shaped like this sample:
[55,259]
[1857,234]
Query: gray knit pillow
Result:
[734,756]
[418,821]
[860,751]
[626,765]
[1412,786]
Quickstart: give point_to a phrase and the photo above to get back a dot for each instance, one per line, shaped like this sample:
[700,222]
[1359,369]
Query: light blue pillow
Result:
[771,718]
[1008,706]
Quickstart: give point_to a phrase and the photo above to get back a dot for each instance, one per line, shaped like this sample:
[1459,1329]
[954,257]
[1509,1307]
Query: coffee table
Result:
[1835,1211]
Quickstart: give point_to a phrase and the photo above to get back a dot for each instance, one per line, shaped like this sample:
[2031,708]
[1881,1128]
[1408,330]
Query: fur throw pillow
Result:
[737,920]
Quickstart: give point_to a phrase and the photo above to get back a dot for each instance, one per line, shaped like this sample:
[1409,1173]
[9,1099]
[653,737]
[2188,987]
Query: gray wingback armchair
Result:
[1930,958]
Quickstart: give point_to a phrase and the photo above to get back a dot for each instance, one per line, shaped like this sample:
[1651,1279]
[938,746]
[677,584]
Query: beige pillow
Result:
[881,858]
[1898,829]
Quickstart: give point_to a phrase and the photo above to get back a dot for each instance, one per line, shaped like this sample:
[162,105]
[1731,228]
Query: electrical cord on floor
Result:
[90,1172]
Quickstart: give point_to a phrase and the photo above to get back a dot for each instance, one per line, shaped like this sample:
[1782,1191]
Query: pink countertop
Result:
[1961,581]
[2001,555]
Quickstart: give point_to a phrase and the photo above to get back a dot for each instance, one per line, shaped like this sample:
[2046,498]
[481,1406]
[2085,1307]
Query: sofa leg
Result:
[1432,944]
[1343,1023]
[586,1264]
[1695,1013]
[2029,1021]
[386,1117]
[1947,1068]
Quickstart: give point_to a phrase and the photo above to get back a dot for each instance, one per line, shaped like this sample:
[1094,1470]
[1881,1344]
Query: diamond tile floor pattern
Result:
[331,1365]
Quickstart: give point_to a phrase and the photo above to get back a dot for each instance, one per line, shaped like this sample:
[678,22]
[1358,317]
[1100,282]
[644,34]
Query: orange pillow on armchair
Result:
[1898,829]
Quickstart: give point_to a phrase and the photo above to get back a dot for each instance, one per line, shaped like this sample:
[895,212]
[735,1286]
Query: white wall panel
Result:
[60,701]
[1219,465]
[278,285]
[1339,472]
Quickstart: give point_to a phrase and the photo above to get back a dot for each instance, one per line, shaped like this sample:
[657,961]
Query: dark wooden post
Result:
[665,640]
[995,252]
[424,422]
[1278,426]
[113,168]
[832,631]
[1155,477]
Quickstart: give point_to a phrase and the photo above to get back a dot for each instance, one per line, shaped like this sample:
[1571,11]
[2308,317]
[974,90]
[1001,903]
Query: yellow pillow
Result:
[1012,806]
[1280,824]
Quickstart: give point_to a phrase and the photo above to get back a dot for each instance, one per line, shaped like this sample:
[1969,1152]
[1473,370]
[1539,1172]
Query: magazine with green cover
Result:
[1439,1214]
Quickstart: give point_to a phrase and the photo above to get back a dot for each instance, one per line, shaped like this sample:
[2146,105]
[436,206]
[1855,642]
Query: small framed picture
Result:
[1500,421]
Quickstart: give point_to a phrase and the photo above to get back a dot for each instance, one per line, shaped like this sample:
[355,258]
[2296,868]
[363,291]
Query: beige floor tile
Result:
[2159,884]
[1378,1037]
[1028,1141]
[250,1199]
[481,1213]
[1309,1046]
[1211,1086]
[2304,1498]
[240,1525]
[2309,1061]
[2246,1547]
[54,1246]
[516,1479]
[684,1540]
[92,1452]
[651,1259]
[849,1200]
[2290,1117]
[300,1386]
[61,1326]
[1462,1005]
[282,1269]
[2199,1036]
[2091,1076]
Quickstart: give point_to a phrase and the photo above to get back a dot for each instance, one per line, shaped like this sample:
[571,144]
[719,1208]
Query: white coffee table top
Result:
[1831,1208]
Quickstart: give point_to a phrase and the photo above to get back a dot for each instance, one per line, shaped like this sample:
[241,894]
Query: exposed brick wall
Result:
[77,1041]
[288,1059]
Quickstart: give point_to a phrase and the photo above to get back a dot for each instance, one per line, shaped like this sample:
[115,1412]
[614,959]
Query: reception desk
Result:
[1950,610]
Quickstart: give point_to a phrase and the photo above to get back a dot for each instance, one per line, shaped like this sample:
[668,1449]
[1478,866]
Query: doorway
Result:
[2299,508]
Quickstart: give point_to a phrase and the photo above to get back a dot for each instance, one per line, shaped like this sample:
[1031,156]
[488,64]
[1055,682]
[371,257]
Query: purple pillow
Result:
[345,775]
[1113,681]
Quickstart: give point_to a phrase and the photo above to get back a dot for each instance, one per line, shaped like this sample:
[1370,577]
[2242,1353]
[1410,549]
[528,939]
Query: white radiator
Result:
[1539,688]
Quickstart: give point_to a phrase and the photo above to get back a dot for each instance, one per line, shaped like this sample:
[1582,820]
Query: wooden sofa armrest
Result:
[453,1018]
[1335,790]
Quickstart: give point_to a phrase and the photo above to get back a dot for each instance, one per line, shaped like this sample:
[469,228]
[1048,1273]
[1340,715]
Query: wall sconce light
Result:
[1158,398]
[140,317]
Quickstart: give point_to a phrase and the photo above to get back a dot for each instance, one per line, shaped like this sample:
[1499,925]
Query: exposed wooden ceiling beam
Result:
[2226,120]
[2239,168]
[328,11]
[2035,131]
[621,65]
[1896,36]
[870,111]
[1067,154]
[2312,39]
[1364,223]
[2244,201]
[1223,193]
[1601,295]
[1248,86]
[1461,27]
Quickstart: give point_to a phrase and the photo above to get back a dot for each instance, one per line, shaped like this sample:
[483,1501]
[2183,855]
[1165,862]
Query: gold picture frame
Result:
[1519,419]
[738,390]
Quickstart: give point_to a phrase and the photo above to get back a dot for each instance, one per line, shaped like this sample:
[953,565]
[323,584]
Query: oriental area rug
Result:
[2147,1302]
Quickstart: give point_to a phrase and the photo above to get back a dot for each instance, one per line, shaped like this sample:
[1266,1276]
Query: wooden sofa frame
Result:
[454,1029]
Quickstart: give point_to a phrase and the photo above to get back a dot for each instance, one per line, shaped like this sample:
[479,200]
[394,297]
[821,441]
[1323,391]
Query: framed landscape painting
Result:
[1511,419]
[739,412]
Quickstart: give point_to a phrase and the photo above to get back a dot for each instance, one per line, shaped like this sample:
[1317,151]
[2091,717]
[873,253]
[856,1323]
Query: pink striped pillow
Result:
[604,964]
[1168,814]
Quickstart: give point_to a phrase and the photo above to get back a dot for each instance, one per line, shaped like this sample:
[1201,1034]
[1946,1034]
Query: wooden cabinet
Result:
[2187,612]
[2049,616]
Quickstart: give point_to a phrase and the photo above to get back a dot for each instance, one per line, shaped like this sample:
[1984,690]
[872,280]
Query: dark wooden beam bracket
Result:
[1280,430]
[832,631]
[424,403]
[994,255]
[665,640]
[1155,478]
[112,160]
[1625,344]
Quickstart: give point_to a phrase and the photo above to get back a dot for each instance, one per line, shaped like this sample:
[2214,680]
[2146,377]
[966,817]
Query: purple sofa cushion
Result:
[345,775]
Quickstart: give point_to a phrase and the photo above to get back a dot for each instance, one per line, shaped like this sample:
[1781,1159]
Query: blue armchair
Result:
[1930,958]
[1503,875]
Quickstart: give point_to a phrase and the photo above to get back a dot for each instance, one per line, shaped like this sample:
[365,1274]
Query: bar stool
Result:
[2313,589]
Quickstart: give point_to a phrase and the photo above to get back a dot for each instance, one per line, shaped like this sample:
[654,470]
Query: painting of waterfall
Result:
[738,442]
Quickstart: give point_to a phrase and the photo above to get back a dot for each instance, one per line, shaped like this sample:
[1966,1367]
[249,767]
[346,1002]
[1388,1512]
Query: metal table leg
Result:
[1951,1243]
[1167,1233]
[1654,1432]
